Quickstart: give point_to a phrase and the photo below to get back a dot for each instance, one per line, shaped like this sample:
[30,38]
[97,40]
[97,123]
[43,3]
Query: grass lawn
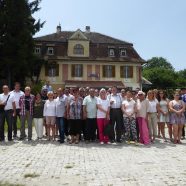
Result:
[18,125]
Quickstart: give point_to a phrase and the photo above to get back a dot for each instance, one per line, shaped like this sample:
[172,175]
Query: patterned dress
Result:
[174,118]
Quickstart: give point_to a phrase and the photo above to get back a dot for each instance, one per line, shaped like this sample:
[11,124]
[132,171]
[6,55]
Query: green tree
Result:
[160,72]
[17,28]
[181,80]
[158,62]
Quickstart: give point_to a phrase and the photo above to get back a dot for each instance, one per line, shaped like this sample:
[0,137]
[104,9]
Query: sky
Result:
[157,28]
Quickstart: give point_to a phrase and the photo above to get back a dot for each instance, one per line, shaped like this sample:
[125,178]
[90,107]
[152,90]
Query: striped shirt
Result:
[22,105]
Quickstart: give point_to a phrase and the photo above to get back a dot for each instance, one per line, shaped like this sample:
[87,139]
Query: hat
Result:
[141,92]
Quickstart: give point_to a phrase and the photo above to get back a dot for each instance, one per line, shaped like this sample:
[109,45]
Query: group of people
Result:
[89,114]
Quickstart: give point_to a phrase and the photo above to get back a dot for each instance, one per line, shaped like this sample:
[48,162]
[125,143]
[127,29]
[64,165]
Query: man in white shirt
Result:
[61,104]
[7,113]
[17,93]
[116,115]
[90,113]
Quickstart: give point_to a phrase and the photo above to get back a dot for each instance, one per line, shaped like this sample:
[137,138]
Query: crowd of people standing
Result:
[88,114]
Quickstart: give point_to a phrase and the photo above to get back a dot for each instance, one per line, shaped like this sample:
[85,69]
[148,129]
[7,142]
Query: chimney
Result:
[58,28]
[87,29]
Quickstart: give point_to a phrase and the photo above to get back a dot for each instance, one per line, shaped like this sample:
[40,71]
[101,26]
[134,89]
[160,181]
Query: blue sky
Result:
[157,28]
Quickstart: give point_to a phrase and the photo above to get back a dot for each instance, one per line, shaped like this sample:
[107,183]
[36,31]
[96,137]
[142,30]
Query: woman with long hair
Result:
[152,114]
[163,112]
[177,118]
[38,115]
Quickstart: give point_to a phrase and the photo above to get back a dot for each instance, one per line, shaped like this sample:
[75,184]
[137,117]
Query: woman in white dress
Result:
[163,112]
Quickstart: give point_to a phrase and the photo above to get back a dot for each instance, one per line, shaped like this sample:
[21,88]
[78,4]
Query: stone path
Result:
[42,163]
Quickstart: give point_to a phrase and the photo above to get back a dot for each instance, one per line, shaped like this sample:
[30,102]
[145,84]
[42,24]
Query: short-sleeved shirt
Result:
[17,96]
[38,109]
[142,108]
[183,97]
[129,107]
[11,99]
[116,101]
[90,103]
[61,103]
[76,108]
[105,104]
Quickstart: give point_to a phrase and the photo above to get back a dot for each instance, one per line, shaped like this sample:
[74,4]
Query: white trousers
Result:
[38,122]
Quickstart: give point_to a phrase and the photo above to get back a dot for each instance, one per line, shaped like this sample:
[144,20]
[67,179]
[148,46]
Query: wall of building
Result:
[91,70]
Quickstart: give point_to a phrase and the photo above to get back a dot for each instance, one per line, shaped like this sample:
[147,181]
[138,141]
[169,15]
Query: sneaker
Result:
[101,143]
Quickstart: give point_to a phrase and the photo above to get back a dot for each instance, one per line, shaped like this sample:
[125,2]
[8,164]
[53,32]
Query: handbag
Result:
[2,107]
[107,129]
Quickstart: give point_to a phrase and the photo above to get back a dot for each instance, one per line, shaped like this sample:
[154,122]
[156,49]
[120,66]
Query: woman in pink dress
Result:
[142,118]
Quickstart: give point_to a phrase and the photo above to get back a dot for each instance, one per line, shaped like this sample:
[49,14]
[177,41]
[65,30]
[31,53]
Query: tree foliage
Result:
[159,62]
[17,28]
[162,74]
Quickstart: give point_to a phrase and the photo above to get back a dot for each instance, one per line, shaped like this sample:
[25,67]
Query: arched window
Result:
[78,49]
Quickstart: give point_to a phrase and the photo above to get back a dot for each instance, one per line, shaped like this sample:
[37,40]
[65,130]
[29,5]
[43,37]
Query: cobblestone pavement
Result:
[50,163]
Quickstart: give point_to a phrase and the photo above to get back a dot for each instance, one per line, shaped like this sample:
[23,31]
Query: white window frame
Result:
[111,52]
[50,51]
[37,50]
[123,51]
[78,70]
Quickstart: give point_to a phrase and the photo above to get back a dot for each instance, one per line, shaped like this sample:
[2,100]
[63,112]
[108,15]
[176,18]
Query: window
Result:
[108,71]
[52,70]
[37,50]
[126,71]
[77,70]
[123,52]
[50,51]
[111,52]
[78,49]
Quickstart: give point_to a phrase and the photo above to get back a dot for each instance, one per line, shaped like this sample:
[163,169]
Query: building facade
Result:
[75,59]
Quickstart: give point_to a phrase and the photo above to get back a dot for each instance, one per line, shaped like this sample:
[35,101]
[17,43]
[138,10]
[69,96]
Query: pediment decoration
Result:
[78,35]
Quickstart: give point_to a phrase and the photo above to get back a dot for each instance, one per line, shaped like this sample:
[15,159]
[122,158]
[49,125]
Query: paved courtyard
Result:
[50,163]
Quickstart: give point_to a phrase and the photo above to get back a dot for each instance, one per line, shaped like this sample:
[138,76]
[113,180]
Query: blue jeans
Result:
[60,123]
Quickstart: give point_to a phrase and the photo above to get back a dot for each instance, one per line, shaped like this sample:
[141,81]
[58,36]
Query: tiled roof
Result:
[94,37]
[94,84]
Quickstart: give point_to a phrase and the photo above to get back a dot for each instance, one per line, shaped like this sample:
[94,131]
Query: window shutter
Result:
[130,75]
[73,70]
[113,71]
[122,71]
[57,69]
[103,70]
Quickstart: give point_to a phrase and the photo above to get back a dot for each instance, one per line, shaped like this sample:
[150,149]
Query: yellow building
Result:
[88,58]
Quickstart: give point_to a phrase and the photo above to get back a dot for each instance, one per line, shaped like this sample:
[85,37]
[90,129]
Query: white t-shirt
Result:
[105,104]
[49,108]
[17,96]
[90,104]
[152,106]
[11,99]
[129,107]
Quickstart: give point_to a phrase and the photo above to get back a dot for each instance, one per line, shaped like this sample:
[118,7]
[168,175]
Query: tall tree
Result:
[158,62]
[16,38]
[160,72]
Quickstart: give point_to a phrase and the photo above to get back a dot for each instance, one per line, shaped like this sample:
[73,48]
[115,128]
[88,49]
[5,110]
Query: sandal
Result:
[179,142]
